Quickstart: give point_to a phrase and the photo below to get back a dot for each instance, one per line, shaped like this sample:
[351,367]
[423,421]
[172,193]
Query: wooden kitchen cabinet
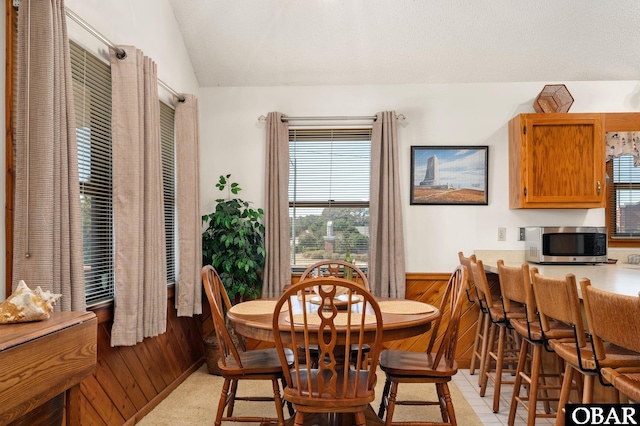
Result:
[557,161]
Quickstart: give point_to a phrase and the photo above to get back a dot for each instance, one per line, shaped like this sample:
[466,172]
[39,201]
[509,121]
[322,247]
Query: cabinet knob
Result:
[599,187]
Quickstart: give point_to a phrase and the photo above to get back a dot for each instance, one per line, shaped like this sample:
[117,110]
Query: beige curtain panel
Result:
[386,271]
[47,232]
[140,305]
[189,287]
[277,268]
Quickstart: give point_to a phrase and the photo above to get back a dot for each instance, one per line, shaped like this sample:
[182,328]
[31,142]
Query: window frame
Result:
[167,135]
[308,136]
[617,122]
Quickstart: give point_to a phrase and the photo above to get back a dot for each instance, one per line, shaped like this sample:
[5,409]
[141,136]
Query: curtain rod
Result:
[399,117]
[119,51]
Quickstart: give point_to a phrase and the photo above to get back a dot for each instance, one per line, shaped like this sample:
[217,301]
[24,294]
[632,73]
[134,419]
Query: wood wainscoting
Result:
[129,381]
[429,288]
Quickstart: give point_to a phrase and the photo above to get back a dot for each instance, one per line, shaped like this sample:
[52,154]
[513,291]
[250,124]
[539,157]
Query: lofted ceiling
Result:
[349,42]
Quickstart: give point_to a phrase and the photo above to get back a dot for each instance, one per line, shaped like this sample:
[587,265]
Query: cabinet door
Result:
[563,164]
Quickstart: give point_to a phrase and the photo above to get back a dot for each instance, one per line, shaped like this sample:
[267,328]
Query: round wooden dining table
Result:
[400,318]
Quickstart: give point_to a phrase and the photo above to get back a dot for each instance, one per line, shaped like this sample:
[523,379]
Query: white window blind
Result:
[92,96]
[167,135]
[329,180]
[624,217]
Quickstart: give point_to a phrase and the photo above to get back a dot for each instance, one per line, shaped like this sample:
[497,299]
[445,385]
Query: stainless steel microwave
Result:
[566,244]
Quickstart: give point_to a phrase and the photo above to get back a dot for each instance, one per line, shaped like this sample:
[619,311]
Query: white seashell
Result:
[26,305]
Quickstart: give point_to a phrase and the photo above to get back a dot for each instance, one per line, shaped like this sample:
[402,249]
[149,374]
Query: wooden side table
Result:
[40,360]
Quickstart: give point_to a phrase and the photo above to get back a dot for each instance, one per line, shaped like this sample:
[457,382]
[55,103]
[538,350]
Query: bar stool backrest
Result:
[512,285]
[612,317]
[482,285]
[472,293]
[557,298]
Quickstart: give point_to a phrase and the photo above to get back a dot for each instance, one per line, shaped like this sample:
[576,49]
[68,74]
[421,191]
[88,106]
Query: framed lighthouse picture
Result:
[449,175]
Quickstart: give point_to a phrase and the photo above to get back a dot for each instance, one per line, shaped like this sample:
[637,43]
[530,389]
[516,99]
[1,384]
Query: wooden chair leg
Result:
[536,364]
[385,399]
[392,403]
[223,401]
[522,360]
[498,373]
[564,393]
[587,392]
[446,405]
[232,400]
[299,420]
[360,418]
[476,350]
[485,343]
[278,401]
[485,365]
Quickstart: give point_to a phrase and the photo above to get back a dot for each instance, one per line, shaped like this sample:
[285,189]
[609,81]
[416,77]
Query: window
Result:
[329,179]
[92,96]
[167,138]
[623,202]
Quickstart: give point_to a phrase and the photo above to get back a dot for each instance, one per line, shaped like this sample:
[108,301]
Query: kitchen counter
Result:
[621,278]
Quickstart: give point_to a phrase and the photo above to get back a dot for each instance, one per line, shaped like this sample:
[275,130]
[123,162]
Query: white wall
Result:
[233,141]
[146,24]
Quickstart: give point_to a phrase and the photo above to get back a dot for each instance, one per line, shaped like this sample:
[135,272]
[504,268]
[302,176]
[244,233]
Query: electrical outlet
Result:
[521,236]
[502,234]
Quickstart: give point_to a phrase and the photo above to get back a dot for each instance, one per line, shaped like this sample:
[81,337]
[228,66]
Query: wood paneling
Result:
[129,381]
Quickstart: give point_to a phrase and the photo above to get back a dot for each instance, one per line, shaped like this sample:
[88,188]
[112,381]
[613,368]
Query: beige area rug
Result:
[195,401]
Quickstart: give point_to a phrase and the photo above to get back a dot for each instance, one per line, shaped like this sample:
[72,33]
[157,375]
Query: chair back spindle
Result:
[220,303]
[452,303]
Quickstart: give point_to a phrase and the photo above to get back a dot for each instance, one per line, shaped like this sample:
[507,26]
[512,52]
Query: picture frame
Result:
[449,175]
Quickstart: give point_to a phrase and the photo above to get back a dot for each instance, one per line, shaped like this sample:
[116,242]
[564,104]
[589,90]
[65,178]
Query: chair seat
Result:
[629,384]
[364,395]
[412,364]
[533,332]
[497,313]
[616,356]
[259,361]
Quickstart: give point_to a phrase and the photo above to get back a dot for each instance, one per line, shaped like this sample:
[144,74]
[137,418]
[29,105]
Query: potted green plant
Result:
[233,243]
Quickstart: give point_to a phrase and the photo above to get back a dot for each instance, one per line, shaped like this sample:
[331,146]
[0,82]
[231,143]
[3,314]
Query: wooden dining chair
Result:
[237,363]
[614,325]
[338,269]
[335,325]
[432,366]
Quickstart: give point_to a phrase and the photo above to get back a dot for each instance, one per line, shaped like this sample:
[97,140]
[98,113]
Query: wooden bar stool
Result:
[557,298]
[530,368]
[483,314]
[499,321]
[614,325]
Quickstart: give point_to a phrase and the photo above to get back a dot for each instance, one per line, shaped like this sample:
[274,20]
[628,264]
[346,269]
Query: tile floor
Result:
[468,386]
